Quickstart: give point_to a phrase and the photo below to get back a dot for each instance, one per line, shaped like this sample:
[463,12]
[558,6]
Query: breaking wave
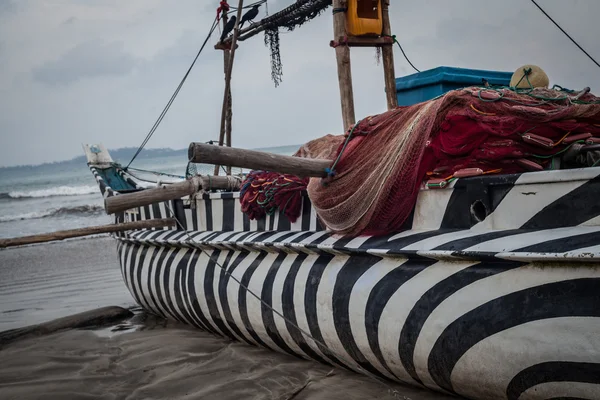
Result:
[56,212]
[51,192]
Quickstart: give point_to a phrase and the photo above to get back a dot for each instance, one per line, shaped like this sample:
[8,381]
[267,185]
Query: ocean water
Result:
[64,195]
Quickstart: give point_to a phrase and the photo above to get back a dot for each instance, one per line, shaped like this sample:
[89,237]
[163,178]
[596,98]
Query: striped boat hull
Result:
[491,292]
[481,329]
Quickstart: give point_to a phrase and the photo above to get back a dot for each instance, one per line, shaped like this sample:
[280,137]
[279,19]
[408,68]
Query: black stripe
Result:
[490,190]
[268,316]
[131,251]
[283,224]
[318,226]
[145,234]
[349,274]
[180,213]
[144,250]
[228,211]
[553,371]
[319,240]
[151,266]
[212,236]
[157,284]
[209,294]
[572,209]
[225,195]
[311,304]
[465,243]
[570,298]
[306,206]
[228,238]
[264,237]
[245,235]
[380,295]
[433,298]
[170,235]
[260,223]
[384,242]
[209,216]
[133,267]
[563,244]
[184,287]
[272,222]
[289,311]
[246,220]
[223,282]
[242,299]
[194,212]
[301,237]
[179,284]
[191,288]
[286,236]
[147,212]
[121,250]
[166,289]
[156,211]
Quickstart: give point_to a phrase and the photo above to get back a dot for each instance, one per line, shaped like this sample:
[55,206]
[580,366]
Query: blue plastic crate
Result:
[426,85]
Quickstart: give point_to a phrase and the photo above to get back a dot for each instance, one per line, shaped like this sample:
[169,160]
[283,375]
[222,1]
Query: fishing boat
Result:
[488,289]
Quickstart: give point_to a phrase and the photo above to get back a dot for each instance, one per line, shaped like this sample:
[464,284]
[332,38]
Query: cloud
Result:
[86,60]
[7,6]
[102,70]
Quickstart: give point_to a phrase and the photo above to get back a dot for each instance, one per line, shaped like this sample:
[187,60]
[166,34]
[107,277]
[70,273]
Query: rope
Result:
[331,170]
[563,31]
[258,3]
[156,172]
[278,313]
[164,112]
[402,50]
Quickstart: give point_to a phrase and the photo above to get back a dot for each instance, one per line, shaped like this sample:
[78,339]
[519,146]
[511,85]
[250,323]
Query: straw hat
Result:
[537,77]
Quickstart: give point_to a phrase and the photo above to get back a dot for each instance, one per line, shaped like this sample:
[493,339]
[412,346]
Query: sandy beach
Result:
[140,357]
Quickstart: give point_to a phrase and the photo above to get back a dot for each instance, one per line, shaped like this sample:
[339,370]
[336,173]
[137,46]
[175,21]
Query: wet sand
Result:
[141,357]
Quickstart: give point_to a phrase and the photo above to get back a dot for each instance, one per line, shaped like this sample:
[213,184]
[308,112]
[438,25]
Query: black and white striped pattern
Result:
[493,293]
[480,329]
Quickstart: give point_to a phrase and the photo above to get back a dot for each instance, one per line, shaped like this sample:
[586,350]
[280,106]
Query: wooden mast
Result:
[387,54]
[226,110]
[342,55]
[225,120]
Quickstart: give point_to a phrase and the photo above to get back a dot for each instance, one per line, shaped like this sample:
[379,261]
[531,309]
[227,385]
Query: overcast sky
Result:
[89,71]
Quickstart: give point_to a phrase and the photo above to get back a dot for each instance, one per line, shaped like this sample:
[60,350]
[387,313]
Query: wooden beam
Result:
[93,230]
[257,160]
[224,46]
[354,41]
[172,191]
[387,54]
[342,55]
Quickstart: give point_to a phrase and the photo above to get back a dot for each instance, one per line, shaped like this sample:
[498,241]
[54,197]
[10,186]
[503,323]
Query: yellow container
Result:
[363,18]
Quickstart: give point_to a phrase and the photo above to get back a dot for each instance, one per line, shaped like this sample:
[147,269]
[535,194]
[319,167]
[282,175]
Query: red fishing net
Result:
[381,168]
[264,192]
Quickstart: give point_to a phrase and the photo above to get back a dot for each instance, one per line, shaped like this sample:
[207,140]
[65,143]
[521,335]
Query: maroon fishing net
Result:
[381,163]
[470,132]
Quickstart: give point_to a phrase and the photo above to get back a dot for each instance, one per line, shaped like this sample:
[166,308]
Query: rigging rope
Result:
[563,31]
[164,112]
[402,50]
